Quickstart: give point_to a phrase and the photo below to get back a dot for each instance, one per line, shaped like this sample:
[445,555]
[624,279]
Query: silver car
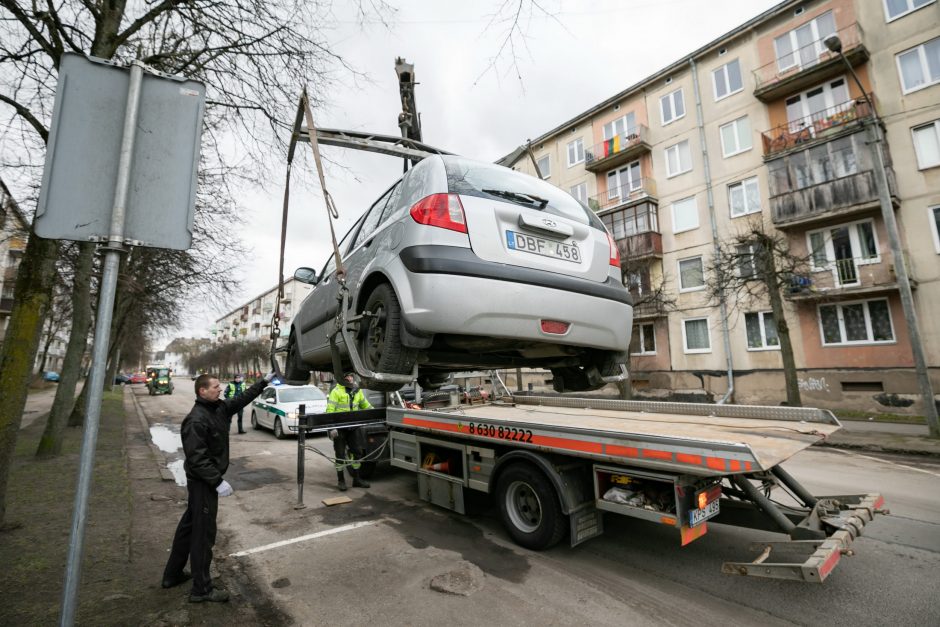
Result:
[464,265]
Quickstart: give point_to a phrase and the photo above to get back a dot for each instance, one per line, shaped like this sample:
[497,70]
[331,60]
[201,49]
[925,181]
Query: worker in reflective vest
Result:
[348,444]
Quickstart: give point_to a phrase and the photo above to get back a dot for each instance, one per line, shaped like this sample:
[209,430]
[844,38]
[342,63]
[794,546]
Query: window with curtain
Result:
[695,332]
[691,274]
[761,331]
[865,322]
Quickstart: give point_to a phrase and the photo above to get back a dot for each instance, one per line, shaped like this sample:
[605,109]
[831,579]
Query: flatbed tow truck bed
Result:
[557,464]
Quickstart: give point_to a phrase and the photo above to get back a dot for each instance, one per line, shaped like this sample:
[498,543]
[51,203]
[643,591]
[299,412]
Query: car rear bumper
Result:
[434,301]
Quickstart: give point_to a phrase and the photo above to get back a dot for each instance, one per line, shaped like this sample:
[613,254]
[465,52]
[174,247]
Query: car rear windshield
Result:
[478,178]
[298,395]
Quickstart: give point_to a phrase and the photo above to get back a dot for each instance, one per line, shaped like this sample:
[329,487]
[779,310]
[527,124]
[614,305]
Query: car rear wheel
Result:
[279,430]
[380,339]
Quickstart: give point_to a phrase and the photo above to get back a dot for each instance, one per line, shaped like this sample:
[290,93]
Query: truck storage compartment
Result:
[441,472]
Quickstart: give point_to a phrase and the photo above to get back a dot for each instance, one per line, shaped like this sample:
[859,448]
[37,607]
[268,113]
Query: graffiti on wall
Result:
[812,384]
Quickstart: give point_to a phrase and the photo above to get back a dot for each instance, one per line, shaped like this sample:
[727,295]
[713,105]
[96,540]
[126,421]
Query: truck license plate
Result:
[698,516]
[542,246]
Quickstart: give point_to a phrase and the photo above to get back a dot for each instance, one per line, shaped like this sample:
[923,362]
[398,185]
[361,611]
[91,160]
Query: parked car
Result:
[137,377]
[50,376]
[121,379]
[277,407]
[464,264]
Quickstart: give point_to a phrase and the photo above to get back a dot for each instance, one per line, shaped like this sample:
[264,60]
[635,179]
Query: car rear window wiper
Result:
[518,197]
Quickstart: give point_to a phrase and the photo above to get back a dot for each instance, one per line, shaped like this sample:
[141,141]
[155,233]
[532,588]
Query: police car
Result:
[277,407]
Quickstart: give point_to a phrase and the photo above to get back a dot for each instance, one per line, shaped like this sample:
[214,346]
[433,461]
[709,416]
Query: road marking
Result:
[311,536]
[885,461]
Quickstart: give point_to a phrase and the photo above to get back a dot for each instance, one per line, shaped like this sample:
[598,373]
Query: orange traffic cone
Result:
[441,467]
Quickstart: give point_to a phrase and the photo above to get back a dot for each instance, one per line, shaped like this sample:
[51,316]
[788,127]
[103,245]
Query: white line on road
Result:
[311,536]
[885,461]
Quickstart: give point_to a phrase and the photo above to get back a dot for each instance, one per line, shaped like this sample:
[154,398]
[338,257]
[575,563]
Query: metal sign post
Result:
[301,448]
[112,260]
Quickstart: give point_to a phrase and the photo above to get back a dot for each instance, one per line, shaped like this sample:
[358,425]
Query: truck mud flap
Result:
[813,560]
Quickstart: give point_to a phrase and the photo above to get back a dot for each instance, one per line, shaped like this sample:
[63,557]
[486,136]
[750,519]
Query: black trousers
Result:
[241,413]
[351,440]
[195,536]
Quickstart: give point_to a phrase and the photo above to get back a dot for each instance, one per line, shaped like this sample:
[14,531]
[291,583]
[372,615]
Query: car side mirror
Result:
[306,275]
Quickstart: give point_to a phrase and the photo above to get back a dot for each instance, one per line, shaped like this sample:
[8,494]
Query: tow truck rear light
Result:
[614,251]
[555,327]
[442,210]
[702,500]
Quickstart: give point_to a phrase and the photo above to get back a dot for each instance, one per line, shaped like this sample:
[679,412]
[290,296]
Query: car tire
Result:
[296,373]
[529,508]
[254,421]
[432,381]
[279,429]
[380,339]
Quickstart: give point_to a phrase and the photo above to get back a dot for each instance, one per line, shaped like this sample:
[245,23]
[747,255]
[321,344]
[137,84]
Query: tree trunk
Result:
[51,442]
[786,346]
[33,292]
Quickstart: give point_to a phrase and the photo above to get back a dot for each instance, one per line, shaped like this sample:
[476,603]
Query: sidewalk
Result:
[884,437]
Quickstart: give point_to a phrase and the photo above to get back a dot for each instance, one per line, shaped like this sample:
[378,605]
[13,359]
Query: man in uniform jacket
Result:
[348,444]
[205,444]
[234,388]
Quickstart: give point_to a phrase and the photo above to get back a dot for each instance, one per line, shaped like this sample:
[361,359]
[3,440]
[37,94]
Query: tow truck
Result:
[556,465]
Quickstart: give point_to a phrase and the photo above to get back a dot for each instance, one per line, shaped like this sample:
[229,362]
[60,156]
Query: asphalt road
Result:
[373,560]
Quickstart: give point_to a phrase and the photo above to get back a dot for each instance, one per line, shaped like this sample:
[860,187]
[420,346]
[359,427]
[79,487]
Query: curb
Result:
[158,457]
[878,448]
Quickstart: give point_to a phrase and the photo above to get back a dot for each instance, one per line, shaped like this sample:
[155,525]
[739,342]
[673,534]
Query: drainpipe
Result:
[725,335]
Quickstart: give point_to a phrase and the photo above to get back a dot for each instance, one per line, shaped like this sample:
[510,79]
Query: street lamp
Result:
[834,44]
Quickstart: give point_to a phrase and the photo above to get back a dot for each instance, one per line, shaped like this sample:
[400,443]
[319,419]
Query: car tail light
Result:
[555,327]
[443,210]
[614,251]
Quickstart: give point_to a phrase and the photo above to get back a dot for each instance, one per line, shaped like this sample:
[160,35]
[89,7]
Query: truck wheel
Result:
[278,429]
[529,508]
[380,340]
[295,372]
[254,420]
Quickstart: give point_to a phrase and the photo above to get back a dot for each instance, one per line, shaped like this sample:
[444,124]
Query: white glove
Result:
[268,377]
[224,488]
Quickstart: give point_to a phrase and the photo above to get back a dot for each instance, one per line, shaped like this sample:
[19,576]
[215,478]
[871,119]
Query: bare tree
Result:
[252,54]
[753,268]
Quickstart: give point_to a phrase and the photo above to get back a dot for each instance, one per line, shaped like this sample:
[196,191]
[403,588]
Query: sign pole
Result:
[112,258]
[301,446]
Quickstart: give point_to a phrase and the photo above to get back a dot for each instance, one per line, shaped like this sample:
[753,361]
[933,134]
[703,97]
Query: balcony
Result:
[624,195]
[848,278]
[617,150]
[640,246]
[803,132]
[808,66]
[6,305]
[647,306]
[9,273]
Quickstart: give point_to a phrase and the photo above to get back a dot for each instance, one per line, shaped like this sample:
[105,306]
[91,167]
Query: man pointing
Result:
[205,443]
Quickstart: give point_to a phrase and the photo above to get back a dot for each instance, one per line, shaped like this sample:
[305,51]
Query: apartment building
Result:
[14,230]
[765,128]
[252,320]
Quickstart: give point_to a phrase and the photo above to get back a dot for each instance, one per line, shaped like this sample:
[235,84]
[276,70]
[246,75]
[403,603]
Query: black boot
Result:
[357,482]
[341,480]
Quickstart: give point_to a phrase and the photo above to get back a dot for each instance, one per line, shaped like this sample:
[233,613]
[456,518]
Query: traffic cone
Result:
[443,467]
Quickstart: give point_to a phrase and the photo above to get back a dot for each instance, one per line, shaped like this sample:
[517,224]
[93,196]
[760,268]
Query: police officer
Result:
[234,388]
[205,442]
[348,444]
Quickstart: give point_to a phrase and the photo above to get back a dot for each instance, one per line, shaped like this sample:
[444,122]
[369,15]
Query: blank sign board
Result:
[80,175]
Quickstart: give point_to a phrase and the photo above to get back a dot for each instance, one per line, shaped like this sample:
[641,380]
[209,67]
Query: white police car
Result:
[278,405]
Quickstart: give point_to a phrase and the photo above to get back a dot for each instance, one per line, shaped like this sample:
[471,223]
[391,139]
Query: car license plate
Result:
[698,516]
[542,246]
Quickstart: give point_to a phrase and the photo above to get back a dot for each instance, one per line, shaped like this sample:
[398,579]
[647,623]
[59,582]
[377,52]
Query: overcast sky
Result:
[470,103]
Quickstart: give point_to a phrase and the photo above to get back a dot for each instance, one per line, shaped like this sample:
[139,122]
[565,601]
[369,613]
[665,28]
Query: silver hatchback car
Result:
[464,265]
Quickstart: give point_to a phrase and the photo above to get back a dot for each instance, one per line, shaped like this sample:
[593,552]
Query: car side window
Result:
[330,264]
[391,208]
[373,219]
[268,395]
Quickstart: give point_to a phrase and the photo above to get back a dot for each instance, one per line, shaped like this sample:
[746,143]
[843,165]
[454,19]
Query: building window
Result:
[865,322]
[746,265]
[817,104]
[691,274]
[744,197]
[575,152]
[684,215]
[678,159]
[579,192]
[761,331]
[622,181]
[843,248]
[802,46]
[641,218]
[927,144]
[727,80]
[621,127]
[644,340]
[671,107]
[735,137]
[695,336]
[827,162]
[545,166]
[934,214]
[920,67]
[899,8]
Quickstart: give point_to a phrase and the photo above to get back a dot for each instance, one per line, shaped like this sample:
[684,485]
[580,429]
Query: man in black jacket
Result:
[205,443]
